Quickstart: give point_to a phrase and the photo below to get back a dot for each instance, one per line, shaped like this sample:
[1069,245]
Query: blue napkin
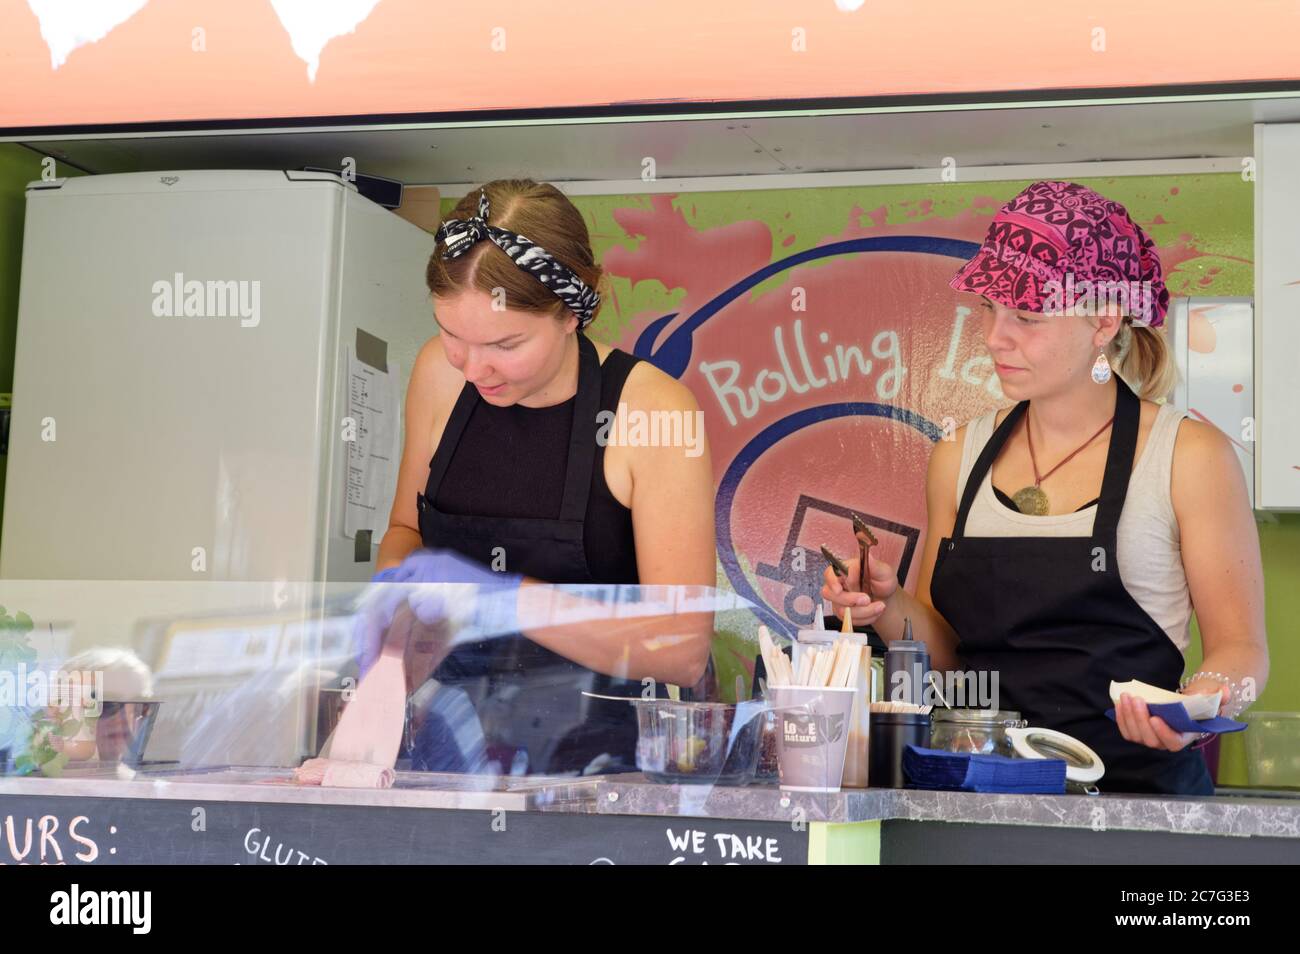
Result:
[1176,717]
[968,772]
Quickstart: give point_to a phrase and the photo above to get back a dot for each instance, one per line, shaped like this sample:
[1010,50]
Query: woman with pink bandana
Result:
[1071,536]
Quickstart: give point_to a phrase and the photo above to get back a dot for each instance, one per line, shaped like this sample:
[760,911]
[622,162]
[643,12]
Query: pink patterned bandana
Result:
[1060,248]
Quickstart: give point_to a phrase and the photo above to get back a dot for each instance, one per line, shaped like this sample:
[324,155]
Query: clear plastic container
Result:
[1273,749]
[698,742]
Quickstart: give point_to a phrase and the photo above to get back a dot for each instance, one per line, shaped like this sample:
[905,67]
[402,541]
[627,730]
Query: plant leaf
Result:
[54,767]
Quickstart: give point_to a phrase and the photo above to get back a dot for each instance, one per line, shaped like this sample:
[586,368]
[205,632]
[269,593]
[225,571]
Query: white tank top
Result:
[1150,554]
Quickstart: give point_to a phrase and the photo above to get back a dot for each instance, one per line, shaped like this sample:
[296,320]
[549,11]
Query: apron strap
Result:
[1114,485]
[982,465]
[1119,465]
[451,434]
[582,436]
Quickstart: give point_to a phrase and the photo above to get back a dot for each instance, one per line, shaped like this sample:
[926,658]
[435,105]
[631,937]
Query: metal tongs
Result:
[836,563]
[866,540]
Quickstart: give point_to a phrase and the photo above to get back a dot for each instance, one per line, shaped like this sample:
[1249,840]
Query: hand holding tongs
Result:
[842,572]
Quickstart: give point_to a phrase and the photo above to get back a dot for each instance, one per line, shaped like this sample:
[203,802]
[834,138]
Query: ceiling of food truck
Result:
[687,148]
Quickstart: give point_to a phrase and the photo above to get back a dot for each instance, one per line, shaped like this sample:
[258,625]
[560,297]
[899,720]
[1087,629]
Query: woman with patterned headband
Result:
[1089,569]
[516,469]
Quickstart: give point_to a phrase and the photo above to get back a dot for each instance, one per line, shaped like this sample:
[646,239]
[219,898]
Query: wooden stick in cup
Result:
[855,663]
[823,668]
[837,653]
[763,640]
[772,658]
[851,649]
[844,648]
[805,666]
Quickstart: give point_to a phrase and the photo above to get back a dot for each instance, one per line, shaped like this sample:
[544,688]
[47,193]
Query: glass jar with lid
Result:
[978,731]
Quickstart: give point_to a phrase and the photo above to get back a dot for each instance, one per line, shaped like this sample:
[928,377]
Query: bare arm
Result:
[1221,558]
[672,518]
[1220,550]
[426,402]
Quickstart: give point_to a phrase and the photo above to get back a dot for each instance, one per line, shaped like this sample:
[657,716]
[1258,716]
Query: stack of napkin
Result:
[967,772]
[1177,718]
[1198,712]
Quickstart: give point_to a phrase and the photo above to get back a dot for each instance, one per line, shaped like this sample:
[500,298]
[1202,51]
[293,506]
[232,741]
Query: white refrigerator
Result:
[209,375]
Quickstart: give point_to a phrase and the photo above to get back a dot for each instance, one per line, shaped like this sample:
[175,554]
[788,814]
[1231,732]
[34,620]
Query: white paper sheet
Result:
[373,404]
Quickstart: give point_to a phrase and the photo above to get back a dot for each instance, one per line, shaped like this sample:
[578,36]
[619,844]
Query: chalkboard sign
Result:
[84,830]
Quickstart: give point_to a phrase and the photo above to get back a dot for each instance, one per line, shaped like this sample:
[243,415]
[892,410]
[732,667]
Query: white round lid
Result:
[1082,764]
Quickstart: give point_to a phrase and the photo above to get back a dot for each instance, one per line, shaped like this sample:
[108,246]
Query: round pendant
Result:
[1031,500]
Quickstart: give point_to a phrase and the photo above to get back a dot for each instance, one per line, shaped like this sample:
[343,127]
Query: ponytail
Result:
[1140,355]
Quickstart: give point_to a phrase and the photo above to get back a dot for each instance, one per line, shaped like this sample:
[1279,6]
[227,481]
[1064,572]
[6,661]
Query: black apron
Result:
[528,699]
[1057,624]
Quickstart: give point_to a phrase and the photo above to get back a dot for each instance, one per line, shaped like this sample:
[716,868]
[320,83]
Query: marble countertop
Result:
[1233,815]
[250,784]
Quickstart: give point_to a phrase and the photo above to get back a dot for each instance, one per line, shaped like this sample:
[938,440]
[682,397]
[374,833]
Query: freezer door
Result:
[169,378]
[385,317]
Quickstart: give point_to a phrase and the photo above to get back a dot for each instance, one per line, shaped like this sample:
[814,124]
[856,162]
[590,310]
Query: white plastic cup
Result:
[812,736]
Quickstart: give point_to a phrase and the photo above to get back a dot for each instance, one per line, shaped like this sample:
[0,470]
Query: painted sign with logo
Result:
[817,330]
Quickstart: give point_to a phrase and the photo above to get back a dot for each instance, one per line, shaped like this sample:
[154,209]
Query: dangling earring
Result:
[1101,368]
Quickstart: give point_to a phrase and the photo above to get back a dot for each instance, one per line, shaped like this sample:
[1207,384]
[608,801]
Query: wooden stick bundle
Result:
[900,707]
[835,666]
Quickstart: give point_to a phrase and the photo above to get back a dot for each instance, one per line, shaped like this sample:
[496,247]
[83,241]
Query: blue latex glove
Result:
[378,604]
[446,566]
[496,613]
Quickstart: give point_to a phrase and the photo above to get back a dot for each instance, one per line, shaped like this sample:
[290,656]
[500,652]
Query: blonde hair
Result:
[1140,355]
[543,215]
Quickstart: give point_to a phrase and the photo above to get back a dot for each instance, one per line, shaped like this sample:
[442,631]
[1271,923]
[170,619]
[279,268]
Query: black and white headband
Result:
[460,235]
